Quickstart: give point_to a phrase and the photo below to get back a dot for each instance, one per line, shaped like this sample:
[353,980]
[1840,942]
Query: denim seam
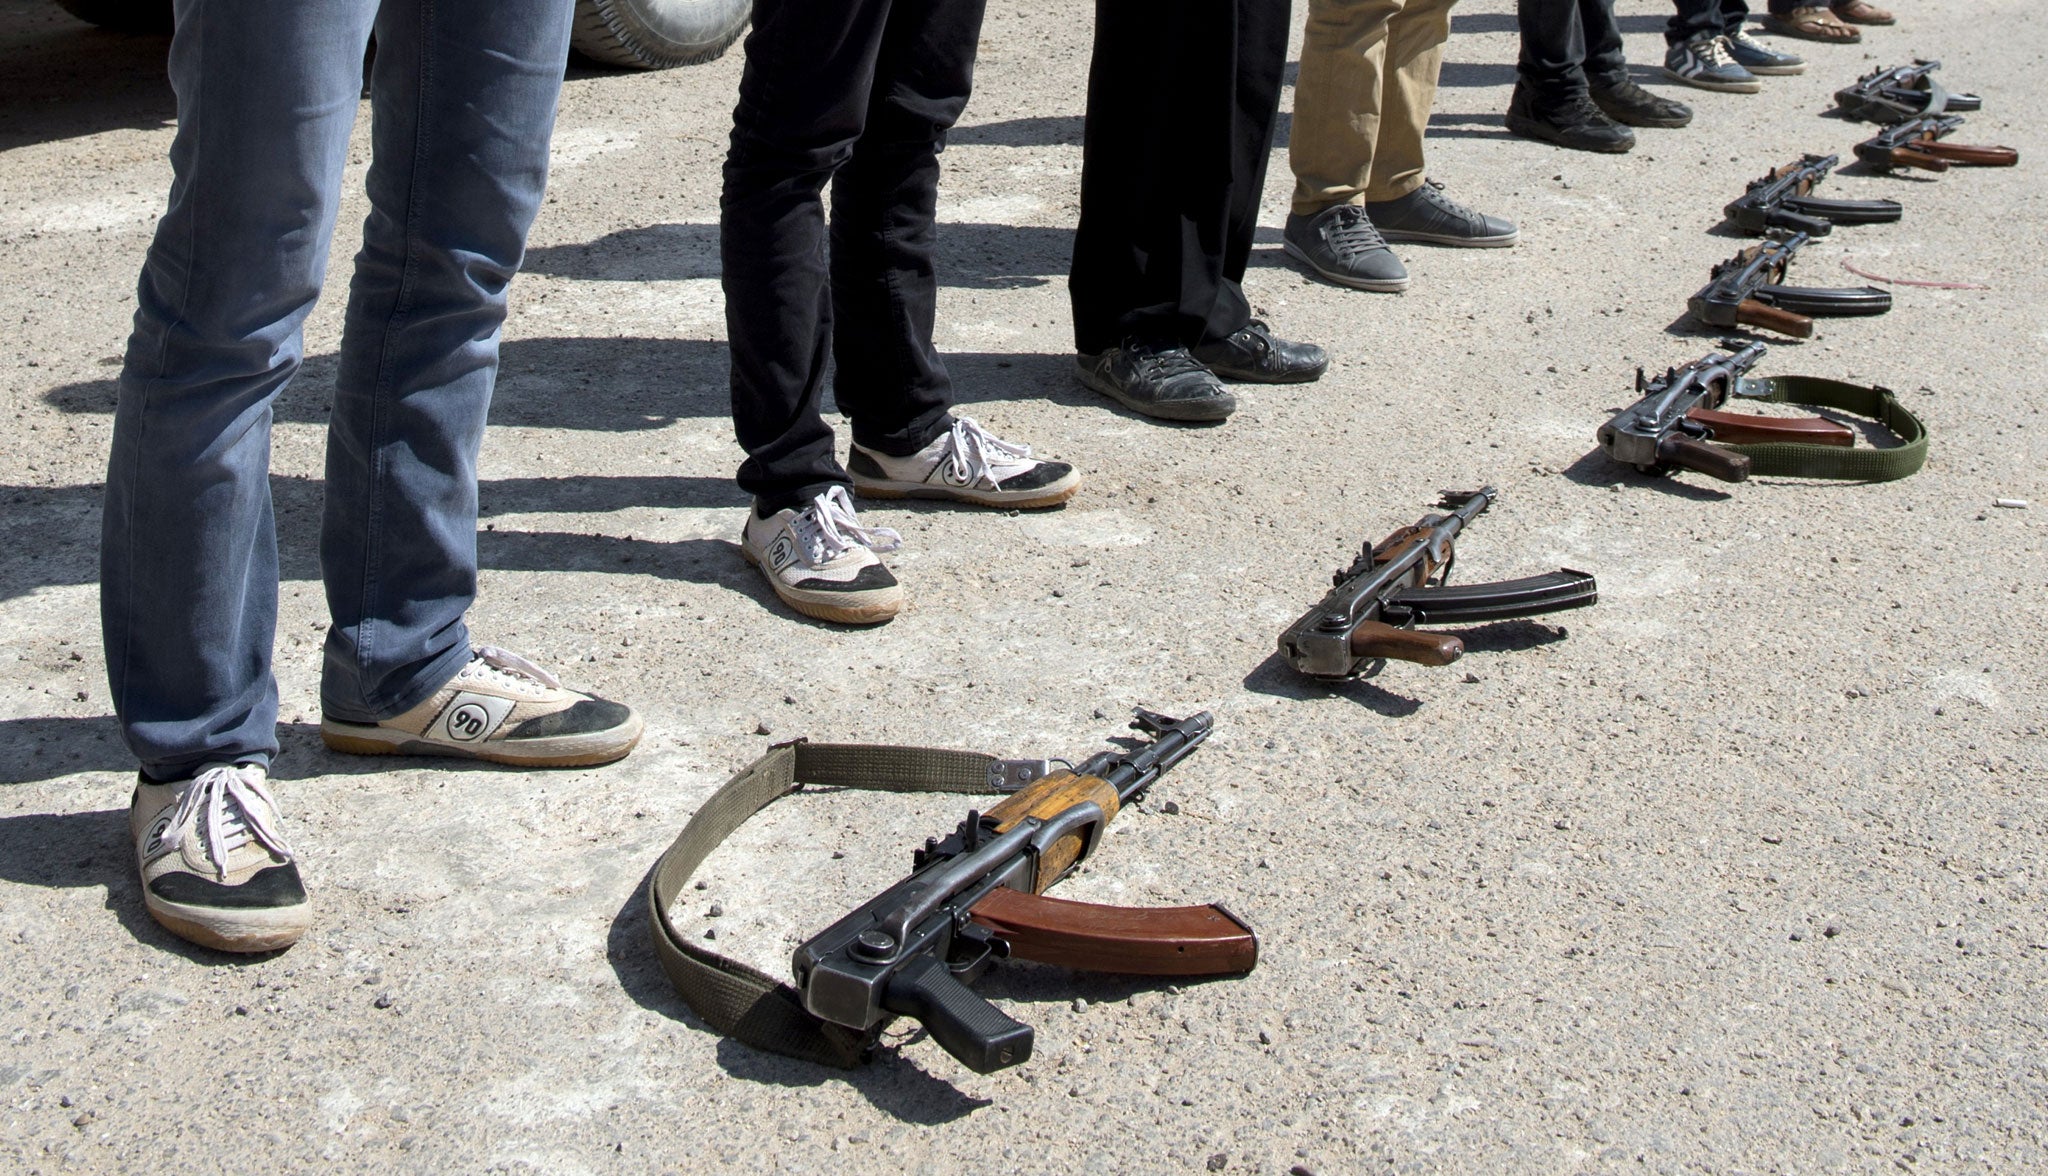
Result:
[401,308]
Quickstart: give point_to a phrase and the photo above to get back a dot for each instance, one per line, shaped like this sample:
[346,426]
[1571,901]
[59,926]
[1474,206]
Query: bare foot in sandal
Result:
[1860,12]
[1814,22]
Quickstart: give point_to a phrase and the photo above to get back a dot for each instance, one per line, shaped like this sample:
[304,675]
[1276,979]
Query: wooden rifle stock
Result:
[1379,639]
[1751,313]
[1744,428]
[1162,941]
[1052,794]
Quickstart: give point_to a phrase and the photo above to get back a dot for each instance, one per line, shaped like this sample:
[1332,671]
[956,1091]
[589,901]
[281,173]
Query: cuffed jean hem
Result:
[435,675]
[796,500]
[902,442]
[167,771]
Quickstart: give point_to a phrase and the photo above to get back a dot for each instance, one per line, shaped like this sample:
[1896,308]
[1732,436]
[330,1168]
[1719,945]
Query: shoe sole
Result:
[1043,496]
[1399,236]
[834,610]
[1200,412]
[558,751]
[242,931]
[1749,87]
[1776,71]
[1542,132]
[1376,285]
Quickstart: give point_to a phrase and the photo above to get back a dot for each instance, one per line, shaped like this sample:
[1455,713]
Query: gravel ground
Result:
[1739,871]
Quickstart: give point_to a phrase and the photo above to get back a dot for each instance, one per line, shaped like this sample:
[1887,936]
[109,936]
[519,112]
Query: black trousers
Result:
[1568,45]
[1181,101]
[1704,18]
[860,94]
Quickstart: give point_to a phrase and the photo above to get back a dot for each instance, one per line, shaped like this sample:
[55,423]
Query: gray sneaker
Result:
[1759,58]
[1340,244]
[1704,62]
[1429,216]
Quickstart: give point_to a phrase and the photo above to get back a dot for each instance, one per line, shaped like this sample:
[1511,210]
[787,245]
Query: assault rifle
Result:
[1783,199]
[1902,92]
[1744,292]
[1400,582]
[974,896]
[1674,417]
[1918,143]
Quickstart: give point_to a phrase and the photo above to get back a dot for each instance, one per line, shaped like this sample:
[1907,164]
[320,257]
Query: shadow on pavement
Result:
[896,1086]
[1597,469]
[1274,677]
[970,254]
[66,79]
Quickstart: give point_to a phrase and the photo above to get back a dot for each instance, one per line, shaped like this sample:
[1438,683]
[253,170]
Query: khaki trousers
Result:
[1368,80]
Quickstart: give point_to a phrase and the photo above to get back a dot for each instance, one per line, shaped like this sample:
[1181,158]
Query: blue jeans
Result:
[463,102]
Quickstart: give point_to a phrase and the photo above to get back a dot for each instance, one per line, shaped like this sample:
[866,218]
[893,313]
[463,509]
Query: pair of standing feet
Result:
[1733,62]
[1349,244]
[216,866]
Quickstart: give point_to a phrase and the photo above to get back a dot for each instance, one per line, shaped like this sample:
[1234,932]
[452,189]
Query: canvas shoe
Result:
[967,463]
[823,563]
[1759,58]
[216,869]
[1704,62]
[502,708]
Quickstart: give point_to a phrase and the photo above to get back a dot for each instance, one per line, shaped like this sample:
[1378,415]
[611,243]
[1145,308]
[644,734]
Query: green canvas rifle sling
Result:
[744,1002]
[1801,460]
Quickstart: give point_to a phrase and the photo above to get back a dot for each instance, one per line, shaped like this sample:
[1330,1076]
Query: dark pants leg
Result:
[1181,102]
[1704,18]
[1568,45]
[859,94]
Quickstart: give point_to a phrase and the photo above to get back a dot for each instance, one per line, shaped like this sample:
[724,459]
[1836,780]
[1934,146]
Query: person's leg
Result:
[1415,57]
[1695,18]
[1733,14]
[1551,67]
[1155,172]
[1262,28]
[803,103]
[188,580]
[1337,101]
[1604,65]
[887,378]
[463,99]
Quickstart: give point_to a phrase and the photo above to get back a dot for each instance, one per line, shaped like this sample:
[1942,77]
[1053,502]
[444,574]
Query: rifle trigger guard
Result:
[1017,774]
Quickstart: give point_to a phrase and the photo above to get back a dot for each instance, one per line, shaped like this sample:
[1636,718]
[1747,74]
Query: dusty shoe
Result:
[1759,58]
[1340,244]
[1633,106]
[823,563]
[967,463]
[1255,355]
[1429,216]
[1704,62]
[215,866]
[1573,122]
[500,708]
[1158,379]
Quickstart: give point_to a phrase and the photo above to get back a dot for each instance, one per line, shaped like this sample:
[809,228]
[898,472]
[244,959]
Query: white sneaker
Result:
[215,866]
[965,464]
[823,563]
[502,708]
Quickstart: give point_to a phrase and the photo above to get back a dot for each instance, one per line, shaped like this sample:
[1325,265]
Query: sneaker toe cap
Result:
[588,716]
[268,888]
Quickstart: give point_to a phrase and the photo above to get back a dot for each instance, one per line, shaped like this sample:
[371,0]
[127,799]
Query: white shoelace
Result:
[829,529]
[1717,52]
[504,668]
[235,806]
[973,453]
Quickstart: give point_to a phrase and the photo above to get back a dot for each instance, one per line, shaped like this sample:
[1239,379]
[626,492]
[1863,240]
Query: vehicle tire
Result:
[122,16]
[656,34]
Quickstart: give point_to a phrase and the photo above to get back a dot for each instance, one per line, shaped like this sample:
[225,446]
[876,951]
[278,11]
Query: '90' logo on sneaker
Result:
[470,718]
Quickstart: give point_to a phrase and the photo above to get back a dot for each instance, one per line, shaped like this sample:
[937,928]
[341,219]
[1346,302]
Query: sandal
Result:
[1859,12]
[1814,22]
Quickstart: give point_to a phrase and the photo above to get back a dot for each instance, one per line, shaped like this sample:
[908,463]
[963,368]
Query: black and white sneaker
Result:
[823,563]
[216,869]
[1158,379]
[966,463]
[1704,62]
